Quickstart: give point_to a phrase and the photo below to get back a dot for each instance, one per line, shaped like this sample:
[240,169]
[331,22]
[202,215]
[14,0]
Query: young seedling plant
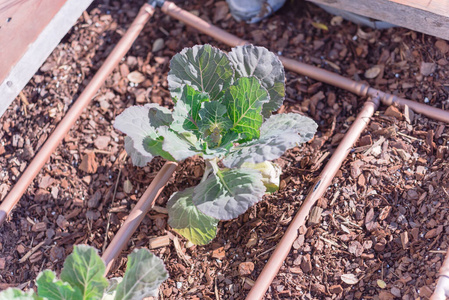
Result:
[82,278]
[223,105]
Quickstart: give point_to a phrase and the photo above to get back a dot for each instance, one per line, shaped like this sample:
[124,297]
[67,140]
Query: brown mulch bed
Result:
[385,219]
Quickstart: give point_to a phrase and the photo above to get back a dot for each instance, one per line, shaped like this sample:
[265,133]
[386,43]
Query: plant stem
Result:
[207,171]
[211,166]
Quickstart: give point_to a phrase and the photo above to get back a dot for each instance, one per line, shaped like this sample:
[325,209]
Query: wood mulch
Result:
[380,231]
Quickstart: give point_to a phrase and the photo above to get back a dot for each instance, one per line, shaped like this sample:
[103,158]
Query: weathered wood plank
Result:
[29,31]
[426,16]
[439,7]
[21,22]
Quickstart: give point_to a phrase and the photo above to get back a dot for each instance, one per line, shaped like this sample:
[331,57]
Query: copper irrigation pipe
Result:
[75,111]
[184,16]
[137,214]
[362,89]
[441,291]
[321,184]
[316,73]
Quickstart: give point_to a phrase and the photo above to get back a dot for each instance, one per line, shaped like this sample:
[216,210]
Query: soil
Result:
[380,231]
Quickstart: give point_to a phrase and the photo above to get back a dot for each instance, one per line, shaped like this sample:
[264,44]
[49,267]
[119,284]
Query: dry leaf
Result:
[320,26]
[252,240]
[158,45]
[136,77]
[381,284]
[355,248]
[89,163]
[336,21]
[349,279]
[127,186]
[373,72]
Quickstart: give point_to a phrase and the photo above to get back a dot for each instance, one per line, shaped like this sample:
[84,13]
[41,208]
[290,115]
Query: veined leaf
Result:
[244,100]
[227,194]
[137,158]
[205,68]
[278,134]
[271,173]
[155,147]
[83,270]
[158,115]
[265,148]
[185,112]
[302,125]
[214,122]
[135,122]
[49,287]
[188,221]
[255,61]
[229,138]
[16,294]
[213,115]
[179,146]
[144,274]
[111,290]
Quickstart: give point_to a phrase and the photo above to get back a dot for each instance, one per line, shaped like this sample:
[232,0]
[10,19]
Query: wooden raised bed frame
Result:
[29,31]
[426,16]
